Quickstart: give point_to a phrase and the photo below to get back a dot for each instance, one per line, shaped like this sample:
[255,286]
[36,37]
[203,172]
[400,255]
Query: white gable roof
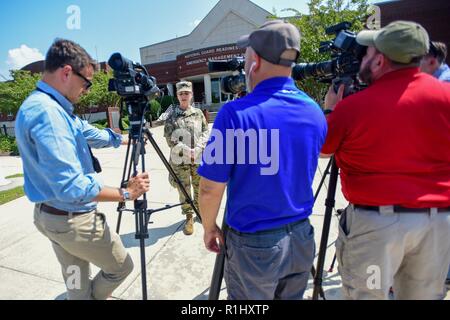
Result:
[224,24]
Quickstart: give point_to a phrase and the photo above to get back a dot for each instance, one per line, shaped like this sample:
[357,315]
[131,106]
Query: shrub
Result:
[8,145]
[166,102]
[155,111]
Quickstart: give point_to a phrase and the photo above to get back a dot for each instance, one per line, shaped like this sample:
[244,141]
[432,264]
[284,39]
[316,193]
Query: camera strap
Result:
[95,162]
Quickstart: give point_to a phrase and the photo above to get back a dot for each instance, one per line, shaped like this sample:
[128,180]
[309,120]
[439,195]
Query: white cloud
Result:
[20,57]
[195,23]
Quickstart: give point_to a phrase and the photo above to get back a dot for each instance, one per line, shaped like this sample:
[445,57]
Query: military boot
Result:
[189,226]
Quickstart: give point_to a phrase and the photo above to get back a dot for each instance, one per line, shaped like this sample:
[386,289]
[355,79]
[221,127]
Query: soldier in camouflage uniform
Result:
[186,132]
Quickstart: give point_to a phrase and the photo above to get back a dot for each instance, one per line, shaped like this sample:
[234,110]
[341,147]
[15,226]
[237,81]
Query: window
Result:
[217,95]
[215,90]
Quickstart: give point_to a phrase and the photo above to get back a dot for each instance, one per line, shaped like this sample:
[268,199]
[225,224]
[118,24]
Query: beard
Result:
[365,74]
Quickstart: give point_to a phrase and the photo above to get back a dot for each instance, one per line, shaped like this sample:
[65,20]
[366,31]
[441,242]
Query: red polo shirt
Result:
[392,142]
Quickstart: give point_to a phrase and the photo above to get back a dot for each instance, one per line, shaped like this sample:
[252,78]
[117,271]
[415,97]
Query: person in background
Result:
[434,62]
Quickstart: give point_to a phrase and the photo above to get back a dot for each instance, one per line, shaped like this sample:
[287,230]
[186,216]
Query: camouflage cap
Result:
[400,41]
[184,86]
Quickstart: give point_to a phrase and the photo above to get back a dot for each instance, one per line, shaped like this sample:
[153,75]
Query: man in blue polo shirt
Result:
[265,148]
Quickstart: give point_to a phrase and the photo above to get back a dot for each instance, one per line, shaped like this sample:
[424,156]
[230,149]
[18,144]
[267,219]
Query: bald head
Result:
[258,69]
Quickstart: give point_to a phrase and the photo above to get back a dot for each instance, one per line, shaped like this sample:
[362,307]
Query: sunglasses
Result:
[88,83]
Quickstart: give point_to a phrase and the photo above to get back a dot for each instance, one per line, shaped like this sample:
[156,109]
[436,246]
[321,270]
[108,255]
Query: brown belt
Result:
[57,212]
[400,209]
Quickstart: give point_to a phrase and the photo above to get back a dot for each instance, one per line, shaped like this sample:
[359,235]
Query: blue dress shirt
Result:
[53,145]
[443,73]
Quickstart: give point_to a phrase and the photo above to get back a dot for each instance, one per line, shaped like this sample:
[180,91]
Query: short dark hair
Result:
[438,50]
[65,52]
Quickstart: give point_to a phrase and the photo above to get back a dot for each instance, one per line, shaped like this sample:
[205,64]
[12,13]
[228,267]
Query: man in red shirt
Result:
[392,144]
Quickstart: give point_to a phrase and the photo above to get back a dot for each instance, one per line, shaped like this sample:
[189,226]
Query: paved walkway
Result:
[178,267]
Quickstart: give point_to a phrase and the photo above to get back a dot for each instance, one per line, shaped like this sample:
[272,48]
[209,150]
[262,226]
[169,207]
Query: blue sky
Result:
[28,27]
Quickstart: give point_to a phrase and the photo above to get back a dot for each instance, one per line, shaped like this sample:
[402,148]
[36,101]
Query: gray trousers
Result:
[80,240]
[271,265]
[409,252]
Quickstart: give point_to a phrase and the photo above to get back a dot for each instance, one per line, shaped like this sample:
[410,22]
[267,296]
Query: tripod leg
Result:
[142,234]
[122,185]
[172,173]
[332,265]
[322,181]
[330,203]
[119,221]
[313,273]
[216,282]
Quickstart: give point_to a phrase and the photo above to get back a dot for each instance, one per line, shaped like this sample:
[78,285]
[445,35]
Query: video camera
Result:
[131,78]
[236,83]
[133,83]
[346,60]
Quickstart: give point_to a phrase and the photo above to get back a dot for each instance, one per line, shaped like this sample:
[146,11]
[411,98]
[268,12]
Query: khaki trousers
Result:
[406,251]
[80,240]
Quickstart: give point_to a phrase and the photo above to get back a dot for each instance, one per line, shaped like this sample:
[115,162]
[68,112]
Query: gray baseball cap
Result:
[271,40]
[400,41]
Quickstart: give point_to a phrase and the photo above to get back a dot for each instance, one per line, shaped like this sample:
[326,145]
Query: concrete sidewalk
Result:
[178,267]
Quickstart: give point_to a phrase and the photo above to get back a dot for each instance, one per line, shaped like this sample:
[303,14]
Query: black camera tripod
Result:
[317,273]
[136,145]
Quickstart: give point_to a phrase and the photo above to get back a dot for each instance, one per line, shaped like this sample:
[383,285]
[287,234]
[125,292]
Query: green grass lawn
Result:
[20,175]
[13,194]
[10,195]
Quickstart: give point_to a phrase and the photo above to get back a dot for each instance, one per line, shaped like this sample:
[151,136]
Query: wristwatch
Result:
[125,194]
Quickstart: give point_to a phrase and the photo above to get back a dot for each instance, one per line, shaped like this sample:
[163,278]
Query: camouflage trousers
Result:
[189,177]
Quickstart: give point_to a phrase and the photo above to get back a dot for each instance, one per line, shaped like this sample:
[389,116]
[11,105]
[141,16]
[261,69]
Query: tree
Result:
[98,95]
[167,101]
[324,13]
[14,92]
[154,110]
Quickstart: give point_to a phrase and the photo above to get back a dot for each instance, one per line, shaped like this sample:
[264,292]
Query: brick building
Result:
[186,58]
[433,15]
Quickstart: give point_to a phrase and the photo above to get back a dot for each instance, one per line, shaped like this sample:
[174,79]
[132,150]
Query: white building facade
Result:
[186,58]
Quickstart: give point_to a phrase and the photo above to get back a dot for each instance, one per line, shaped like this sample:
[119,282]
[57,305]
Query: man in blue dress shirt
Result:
[434,62]
[60,176]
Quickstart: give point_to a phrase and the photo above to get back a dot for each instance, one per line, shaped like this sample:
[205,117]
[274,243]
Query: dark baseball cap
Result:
[271,40]
[400,41]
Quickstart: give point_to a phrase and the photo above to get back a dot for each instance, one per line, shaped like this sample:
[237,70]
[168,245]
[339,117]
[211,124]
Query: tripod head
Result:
[137,108]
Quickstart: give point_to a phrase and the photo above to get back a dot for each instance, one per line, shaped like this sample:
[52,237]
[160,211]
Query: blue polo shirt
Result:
[266,146]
